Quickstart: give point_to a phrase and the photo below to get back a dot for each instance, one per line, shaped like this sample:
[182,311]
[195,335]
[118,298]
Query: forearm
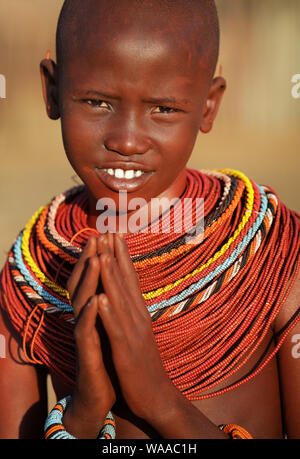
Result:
[179,418]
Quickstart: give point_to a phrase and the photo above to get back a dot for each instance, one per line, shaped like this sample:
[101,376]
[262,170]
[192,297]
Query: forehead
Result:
[132,56]
[131,65]
[136,27]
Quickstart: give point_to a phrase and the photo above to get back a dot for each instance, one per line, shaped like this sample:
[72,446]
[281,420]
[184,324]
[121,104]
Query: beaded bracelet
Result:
[55,430]
[235,432]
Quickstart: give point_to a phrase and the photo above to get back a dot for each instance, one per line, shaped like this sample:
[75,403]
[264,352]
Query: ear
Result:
[48,70]
[212,104]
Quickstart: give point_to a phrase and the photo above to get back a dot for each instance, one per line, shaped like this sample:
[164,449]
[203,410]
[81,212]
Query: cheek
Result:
[81,139]
[178,143]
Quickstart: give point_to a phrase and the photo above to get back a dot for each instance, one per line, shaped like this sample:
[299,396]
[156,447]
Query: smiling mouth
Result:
[123,180]
[127,174]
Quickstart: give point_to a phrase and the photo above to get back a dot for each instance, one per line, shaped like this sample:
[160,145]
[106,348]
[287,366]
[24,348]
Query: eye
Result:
[165,110]
[97,103]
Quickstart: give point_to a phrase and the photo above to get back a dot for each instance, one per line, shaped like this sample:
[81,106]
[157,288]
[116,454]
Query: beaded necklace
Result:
[212,303]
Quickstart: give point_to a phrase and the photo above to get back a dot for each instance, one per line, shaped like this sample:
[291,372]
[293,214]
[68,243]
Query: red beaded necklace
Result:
[212,304]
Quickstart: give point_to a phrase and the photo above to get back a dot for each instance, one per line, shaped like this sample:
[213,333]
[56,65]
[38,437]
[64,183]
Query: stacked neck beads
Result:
[211,302]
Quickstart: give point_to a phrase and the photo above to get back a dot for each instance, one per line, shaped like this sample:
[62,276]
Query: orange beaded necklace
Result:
[211,303]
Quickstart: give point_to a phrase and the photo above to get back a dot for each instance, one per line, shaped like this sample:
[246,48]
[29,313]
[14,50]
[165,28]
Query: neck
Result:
[124,220]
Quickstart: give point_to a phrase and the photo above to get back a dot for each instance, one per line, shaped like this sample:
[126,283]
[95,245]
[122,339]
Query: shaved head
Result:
[134,83]
[189,24]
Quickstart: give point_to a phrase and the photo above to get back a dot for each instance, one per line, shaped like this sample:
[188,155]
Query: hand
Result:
[94,394]
[145,385]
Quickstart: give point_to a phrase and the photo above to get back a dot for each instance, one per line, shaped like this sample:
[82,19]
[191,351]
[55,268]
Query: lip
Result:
[125,166]
[122,184]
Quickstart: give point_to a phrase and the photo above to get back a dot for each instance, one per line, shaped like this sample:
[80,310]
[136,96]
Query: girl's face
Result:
[131,109]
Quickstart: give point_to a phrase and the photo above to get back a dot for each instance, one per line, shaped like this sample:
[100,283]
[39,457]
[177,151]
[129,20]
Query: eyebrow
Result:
[97,93]
[167,100]
[152,100]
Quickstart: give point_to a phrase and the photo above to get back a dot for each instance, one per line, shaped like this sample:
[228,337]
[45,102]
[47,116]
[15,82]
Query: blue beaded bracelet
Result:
[55,430]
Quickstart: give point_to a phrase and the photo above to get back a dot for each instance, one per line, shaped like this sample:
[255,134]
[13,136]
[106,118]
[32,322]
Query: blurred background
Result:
[257,130]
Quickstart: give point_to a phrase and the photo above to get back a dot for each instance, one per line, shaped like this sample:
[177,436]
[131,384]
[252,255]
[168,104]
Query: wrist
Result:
[82,423]
[92,410]
[164,408]
[61,423]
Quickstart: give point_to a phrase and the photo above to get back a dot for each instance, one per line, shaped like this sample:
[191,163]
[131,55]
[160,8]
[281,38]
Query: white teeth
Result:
[120,173]
[129,174]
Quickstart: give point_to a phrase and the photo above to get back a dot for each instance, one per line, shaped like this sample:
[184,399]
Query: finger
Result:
[105,241]
[88,251]
[128,271]
[110,238]
[105,343]
[88,284]
[86,337]
[116,291]
[104,244]
[130,314]
[111,323]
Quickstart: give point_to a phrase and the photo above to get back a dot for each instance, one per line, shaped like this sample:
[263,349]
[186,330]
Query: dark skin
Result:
[128,325]
[121,105]
[255,405]
[136,125]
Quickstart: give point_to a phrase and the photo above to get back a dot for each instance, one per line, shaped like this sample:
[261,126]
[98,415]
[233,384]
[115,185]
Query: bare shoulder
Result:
[291,304]
[288,359]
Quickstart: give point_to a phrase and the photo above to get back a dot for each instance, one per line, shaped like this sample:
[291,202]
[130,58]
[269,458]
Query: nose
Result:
[127,136]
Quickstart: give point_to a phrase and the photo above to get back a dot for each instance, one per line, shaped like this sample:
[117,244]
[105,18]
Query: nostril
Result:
[108,147]
[127,146]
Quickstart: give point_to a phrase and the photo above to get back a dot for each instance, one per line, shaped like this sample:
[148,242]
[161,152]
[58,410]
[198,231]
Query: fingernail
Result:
[103,298]
[90,302]
[104,305]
